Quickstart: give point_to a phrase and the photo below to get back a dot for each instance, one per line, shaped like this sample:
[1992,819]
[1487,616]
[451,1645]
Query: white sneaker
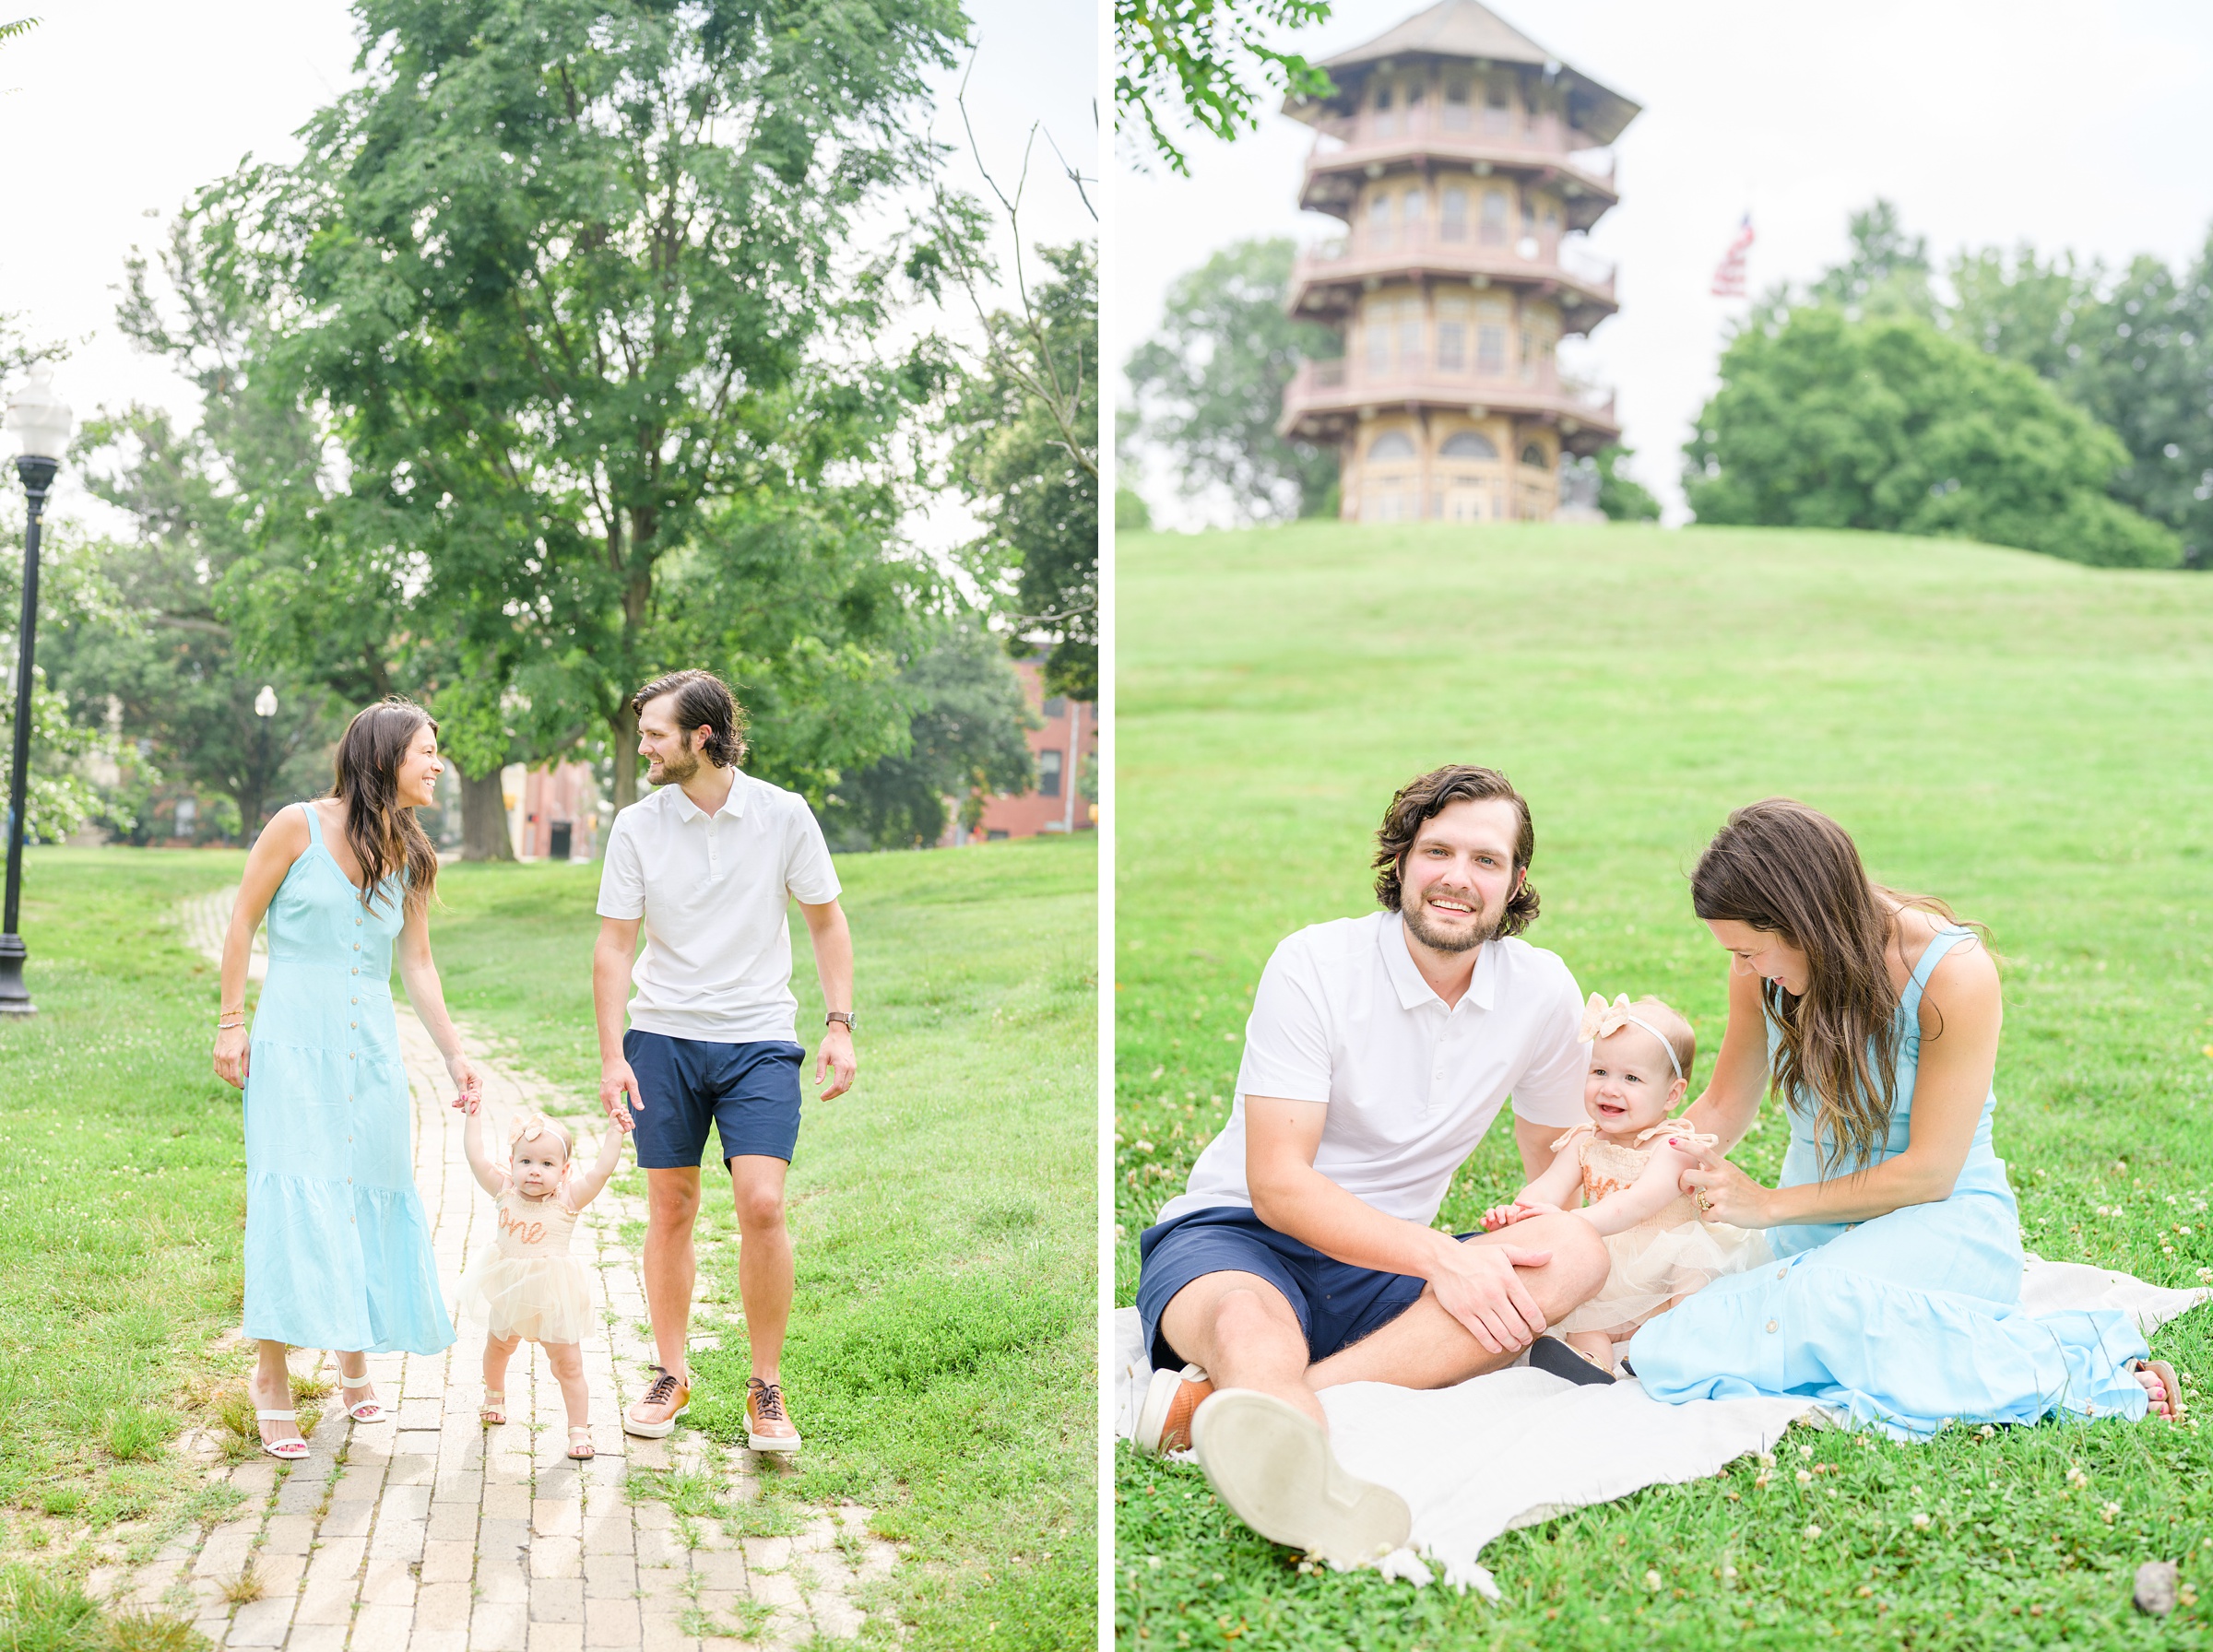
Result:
[1272,1464]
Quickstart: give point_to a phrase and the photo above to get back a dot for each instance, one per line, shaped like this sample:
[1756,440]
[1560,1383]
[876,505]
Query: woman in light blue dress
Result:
[1895,1294]
[337,1252]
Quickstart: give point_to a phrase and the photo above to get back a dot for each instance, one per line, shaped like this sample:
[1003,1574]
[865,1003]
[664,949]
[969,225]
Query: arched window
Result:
[1391,445]
[1535,456]
[1468,444]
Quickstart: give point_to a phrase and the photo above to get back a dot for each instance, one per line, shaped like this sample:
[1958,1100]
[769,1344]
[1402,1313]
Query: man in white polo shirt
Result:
[1301,1254]
[708,864]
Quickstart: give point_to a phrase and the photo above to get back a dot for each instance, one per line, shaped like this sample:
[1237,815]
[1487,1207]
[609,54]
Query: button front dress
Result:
[337,1251]
[1907,1321]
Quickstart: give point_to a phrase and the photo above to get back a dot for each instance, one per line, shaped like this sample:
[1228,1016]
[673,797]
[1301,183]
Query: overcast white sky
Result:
[113,112]
[2066,122]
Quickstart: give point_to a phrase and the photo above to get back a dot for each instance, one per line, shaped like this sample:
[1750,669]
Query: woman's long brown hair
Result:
[1790,871]
[384,835]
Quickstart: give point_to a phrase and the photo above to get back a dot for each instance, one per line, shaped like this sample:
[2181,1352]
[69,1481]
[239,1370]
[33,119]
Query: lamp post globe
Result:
[40,422]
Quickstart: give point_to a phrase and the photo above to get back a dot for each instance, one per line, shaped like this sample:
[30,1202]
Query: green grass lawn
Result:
[941,1353]
[2021,736]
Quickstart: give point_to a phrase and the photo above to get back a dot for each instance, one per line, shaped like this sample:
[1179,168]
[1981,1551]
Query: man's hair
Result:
[703,699]
[1429,795]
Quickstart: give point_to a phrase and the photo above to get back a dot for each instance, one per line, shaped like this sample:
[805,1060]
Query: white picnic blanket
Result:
[1519,1446]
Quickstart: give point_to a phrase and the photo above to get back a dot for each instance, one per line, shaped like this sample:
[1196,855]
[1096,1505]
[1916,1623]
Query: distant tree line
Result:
[2041,403]
[552,364]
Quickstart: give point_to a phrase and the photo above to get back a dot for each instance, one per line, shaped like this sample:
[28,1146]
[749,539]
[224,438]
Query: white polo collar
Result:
[1407,978]
[733,806]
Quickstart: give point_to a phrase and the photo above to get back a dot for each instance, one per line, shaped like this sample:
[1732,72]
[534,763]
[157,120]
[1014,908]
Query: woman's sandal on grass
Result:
[2174,1394]
[288,1451]
[580,1445]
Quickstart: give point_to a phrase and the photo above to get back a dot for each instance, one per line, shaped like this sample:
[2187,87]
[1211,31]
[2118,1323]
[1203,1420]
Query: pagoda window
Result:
[1412,213]
[1498,111]
[1529,216]
[1491,233]
[1391,445]
[1452,335]
[1533,456]
[1468,444]
[1490,351]
[1456,106]
[1387,117]
[1453,215]
[1379,221]
[1410,334]
[1378,340]
[1529,357]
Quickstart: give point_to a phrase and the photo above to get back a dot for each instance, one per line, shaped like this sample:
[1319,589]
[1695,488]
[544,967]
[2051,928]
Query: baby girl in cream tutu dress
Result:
[525,1286]
[1622,1170]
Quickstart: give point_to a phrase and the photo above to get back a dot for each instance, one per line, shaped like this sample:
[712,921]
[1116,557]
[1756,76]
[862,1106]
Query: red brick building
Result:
[1067,749]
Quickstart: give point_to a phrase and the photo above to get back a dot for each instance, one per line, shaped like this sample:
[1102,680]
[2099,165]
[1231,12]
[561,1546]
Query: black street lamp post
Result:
[41,422]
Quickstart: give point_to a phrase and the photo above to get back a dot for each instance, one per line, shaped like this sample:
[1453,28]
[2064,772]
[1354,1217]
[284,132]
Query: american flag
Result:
[1729,278]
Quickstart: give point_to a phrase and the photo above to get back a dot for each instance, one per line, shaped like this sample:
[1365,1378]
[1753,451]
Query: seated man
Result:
[1301,1254]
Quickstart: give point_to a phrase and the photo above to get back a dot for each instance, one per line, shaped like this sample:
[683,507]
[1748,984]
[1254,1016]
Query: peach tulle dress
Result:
[1667,1255]
[526,1284]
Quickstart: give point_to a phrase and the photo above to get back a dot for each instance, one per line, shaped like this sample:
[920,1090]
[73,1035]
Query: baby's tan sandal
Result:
[493,1411]
[580,1445]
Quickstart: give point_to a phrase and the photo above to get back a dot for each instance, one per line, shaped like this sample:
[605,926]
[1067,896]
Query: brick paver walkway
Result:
[433,1534]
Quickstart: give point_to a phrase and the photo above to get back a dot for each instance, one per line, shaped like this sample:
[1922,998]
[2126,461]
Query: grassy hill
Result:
[2024,737]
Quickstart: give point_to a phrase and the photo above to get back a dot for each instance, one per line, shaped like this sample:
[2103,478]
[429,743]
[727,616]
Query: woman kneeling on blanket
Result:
[1895,1288]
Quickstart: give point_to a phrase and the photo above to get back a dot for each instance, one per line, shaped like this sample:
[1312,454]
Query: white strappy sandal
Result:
[289,1451]
[362,1410]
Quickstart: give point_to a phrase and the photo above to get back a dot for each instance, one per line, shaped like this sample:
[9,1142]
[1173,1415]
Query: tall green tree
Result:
[967,746]
[573,283]
[1886,271]
[1210,385]
[1208,63]
[2141,362]
[1824,421]
[2025,309]
[1025,450]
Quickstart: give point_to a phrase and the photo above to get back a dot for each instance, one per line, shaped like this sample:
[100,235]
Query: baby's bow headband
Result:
[527,1128]
[1601,1020]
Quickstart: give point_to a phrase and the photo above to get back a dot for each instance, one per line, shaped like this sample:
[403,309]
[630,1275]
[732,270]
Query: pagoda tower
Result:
[1449,149]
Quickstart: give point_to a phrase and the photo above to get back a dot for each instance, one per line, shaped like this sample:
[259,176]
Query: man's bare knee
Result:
[1579,1259]
[673,1201]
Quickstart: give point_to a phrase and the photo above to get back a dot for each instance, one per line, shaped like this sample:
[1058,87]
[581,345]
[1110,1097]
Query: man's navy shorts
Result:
[748,1091]
[1336,1303]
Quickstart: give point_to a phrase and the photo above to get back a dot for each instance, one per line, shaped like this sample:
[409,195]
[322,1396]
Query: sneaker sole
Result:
[784,1443]
[654,1430]
[1273,1465]
[1152,1412]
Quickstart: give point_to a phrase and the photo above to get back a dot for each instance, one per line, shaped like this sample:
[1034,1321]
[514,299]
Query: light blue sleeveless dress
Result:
[337,1252]
[1907,1321]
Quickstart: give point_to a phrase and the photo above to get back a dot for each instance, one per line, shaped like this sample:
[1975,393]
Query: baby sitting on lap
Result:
[1624,1164]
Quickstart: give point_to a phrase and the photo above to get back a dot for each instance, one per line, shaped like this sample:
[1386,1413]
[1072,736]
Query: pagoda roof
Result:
[1464,28]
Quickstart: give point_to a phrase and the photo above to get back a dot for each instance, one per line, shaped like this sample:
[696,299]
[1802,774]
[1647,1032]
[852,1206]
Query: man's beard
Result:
[1448,940]
[673,770]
